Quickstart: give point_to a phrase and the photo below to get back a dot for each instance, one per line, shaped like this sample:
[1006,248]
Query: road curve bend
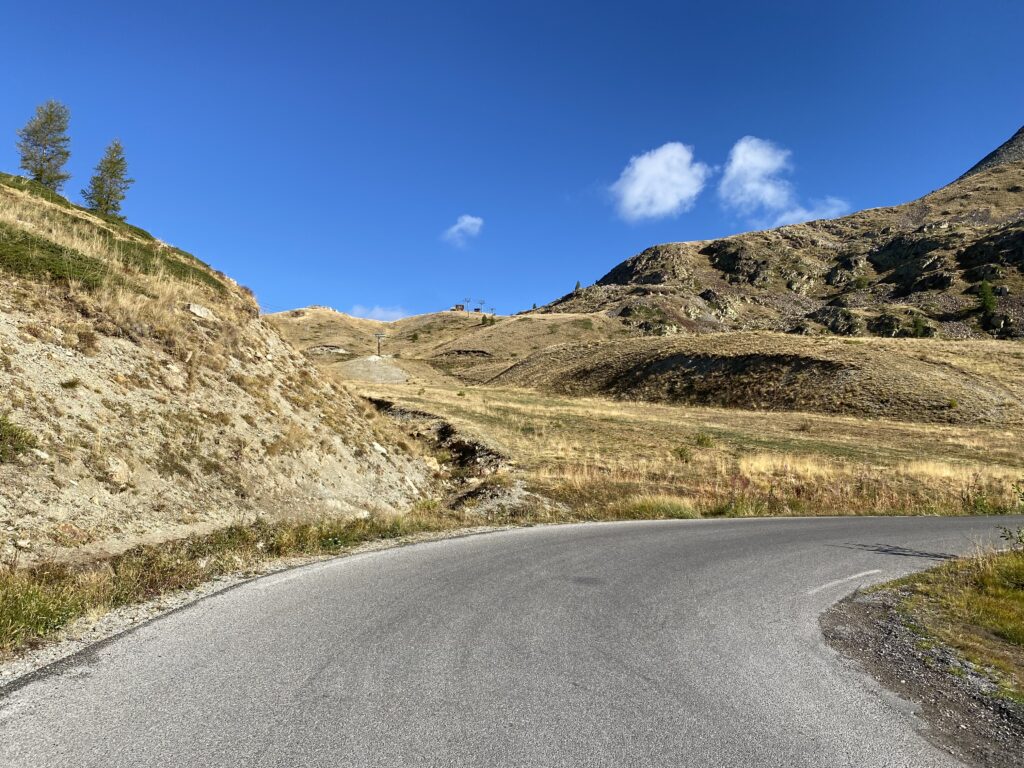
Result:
[675,643]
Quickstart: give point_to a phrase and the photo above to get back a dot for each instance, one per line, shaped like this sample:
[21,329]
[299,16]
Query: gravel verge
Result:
[958,701]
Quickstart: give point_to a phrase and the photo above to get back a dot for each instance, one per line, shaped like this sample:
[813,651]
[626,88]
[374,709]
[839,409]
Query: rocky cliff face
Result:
[918,269]
[144,397]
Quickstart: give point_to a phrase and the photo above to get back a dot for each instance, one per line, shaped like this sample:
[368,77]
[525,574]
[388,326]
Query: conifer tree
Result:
[109,183]
[43,145]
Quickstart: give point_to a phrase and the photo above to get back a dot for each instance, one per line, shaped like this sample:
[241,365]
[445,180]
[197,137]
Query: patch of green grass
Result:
[14,440]
[34,257]
[152,257]
[655,507]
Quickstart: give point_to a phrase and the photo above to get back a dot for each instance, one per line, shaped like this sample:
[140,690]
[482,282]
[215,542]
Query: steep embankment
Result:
[963,382]
[910,270]
[144,397]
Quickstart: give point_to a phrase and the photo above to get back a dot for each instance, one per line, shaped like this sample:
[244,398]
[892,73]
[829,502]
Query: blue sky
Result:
[407,155]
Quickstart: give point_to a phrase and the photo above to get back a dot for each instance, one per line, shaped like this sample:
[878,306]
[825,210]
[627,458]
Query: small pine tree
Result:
[108,185]
[986,298]
[43,145]
[578,286]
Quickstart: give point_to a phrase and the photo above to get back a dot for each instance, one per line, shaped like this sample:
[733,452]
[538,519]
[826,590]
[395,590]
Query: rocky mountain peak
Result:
[1011,151]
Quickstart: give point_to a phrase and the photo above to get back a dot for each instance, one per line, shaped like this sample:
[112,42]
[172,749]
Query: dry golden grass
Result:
[593,453]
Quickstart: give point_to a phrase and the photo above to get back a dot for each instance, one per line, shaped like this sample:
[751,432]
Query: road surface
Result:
[676,643]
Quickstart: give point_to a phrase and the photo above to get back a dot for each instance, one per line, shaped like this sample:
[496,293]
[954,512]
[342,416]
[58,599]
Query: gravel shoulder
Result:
[960,704]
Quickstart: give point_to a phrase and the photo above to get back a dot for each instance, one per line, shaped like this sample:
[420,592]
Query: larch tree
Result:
[43,145]
[109,183]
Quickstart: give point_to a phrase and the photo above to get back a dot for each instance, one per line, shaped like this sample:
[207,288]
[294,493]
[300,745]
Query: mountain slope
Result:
[144,397]
[909,270]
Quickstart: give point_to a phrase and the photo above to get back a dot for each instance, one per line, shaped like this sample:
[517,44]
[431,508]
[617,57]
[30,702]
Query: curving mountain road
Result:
[627,644]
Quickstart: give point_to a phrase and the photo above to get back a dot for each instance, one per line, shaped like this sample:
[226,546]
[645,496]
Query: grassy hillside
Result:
[144,397]
[906,379]
[470,346]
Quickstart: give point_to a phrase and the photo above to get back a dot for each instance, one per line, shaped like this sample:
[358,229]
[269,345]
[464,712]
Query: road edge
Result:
[957,703]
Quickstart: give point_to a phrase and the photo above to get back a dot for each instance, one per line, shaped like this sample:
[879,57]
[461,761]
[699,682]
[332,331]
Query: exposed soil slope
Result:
[909,270]
[145,397]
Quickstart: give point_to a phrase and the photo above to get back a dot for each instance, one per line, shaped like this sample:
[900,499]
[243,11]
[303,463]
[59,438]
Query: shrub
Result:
[684,453]
[14,440]
[919,327]
[703,440]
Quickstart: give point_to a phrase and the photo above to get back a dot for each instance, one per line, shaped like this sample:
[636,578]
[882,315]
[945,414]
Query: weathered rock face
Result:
[873,272]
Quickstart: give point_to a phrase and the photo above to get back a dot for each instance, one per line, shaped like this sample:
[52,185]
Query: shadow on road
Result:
[897,551]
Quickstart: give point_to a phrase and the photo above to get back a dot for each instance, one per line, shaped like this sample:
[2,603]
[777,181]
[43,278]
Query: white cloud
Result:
[663,182]
[378,313]
[753,185]
[751,180]
[828,208]
[464,228]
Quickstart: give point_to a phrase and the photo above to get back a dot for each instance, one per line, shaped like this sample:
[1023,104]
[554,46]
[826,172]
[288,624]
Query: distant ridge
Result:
[1011,151]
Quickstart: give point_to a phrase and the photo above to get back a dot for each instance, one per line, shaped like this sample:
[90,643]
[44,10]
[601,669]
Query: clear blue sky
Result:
[318,151]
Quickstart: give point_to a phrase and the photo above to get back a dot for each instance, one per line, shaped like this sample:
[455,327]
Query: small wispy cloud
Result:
[753,185]
[378,313]
[663,182]
[465,227]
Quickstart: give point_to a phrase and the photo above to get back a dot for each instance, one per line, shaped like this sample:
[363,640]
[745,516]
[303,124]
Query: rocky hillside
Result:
[144,397]
[918,269]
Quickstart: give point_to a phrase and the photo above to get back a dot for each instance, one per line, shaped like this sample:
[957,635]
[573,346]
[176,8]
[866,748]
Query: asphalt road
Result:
[623,644]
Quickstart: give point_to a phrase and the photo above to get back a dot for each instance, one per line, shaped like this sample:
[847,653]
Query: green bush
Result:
[986,298]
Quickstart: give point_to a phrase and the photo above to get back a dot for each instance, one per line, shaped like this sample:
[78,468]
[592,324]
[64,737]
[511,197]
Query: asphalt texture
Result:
[676,643]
